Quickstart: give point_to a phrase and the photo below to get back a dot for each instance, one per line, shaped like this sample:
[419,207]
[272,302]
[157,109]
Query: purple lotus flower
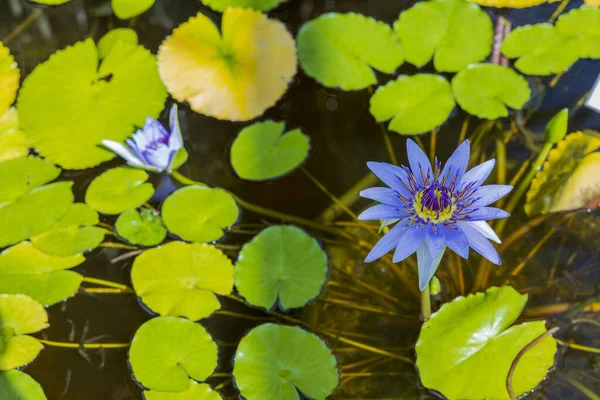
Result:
[436,208]
[151,147]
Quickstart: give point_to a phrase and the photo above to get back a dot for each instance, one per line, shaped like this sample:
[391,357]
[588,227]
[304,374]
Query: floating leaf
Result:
[108,41]
[455,33]
[144,227]
[583,25]
[181,279]
[415,104]
[167,351]
[485,90]
[119,189]
[540,49]
[199,214]
[13,144]
[19,315]
[17,385]
[465,350]
[125,9]
[70,103]
[263,151]
[236,76]
[26,270]
[9,79]
[196,391]
[74,234]
[281,262]
[592,2]
[274,362]
[567,180]
[509,3]
[260,5]
[341,50]
[26,207]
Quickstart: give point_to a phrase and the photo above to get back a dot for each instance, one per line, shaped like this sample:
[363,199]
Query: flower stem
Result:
[84,345]
[425,303]
[433,143]
[110,284]
[561,7]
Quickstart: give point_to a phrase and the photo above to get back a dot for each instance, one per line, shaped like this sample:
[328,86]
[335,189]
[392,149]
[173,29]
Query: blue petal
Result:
[479,243]
[435,240]
[380,211]
[486,230]
[419,163]
[486,214]
[457,164]
[388,241]
[427,264]
[489,194]
[392,176]
[457,241]
[477,175]
[382,195]
[411,241]
[175,140]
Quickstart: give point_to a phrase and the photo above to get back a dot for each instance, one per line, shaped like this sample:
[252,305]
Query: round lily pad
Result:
[263,151]
[260,5]
[455,33]
[196,391]
[75,233]
[119,189]
[13,144]
[9,79]
[582,24]
[125,9]
[108,41]
[342,50]
[187,288]
[17,385]
[19,315]
[274,362]
[485,90]
[234,76]
[199,214]
[71,102]
[465,350]
[167,351]
[144,227]
[25,269]
[281,262]
[415,104]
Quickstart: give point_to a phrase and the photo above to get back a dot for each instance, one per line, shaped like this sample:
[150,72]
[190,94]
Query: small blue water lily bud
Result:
[152,147]
[557,127]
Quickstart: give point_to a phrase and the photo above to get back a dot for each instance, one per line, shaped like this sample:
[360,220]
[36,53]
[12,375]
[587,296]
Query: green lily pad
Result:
[567,180]
[187,288]
[541,49]
[274,362]
[455,33]
[263,151]
[485,90]
[196,391]
[108,41]
[17,385]
[167,351]
[27,206]
[465,350]
[25,269]
[342,50]
[144,227]
[415,104]
[125,9]
[13,144]
[74,234]
[260,5]
[71,102]
[119,189]
[281,262]
[199,214]
[19,315]
[582,24]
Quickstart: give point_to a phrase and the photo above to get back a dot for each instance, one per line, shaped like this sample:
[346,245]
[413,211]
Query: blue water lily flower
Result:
[436,208]
[152,147]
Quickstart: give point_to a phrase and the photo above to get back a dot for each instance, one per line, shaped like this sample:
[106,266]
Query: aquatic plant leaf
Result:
[281,262]
[260,5]
[274,362]
[125,9]
[144,227]
[17,385]
[509,3]
[567,180]
[263,151]
[415,104]
[74,234]
[9,79]
[119,189]
[181,279]
[234,76]
[19,316]
[455,33]
[108,41]
[342,50]
[199,213]
[591,2]
[71,102]
[13,144]
[582,24]
[485,90]
[167,351]
[196,391]
[26,270]
[465,350]
[541,49]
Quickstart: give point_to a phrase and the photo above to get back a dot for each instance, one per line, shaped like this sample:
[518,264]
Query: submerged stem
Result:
[114,245]
[84,345]
[579,386]
[425,303]
[575,346]
[110,284]
[388,144]
[349,197]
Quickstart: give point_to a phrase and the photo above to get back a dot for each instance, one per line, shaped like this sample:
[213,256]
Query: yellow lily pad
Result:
[509,3]
[235,75]
[13,144]
[9,79]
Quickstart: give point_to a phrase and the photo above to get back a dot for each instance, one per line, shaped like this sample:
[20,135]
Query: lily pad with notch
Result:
[108,41]
[144,227]
[125,9]
[9,78]
[119,189]
[582,24]
[260,5]
[17,385]
[196,391]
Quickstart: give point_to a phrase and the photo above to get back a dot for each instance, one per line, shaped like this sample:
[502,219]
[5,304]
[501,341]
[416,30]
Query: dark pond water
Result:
[344,137]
